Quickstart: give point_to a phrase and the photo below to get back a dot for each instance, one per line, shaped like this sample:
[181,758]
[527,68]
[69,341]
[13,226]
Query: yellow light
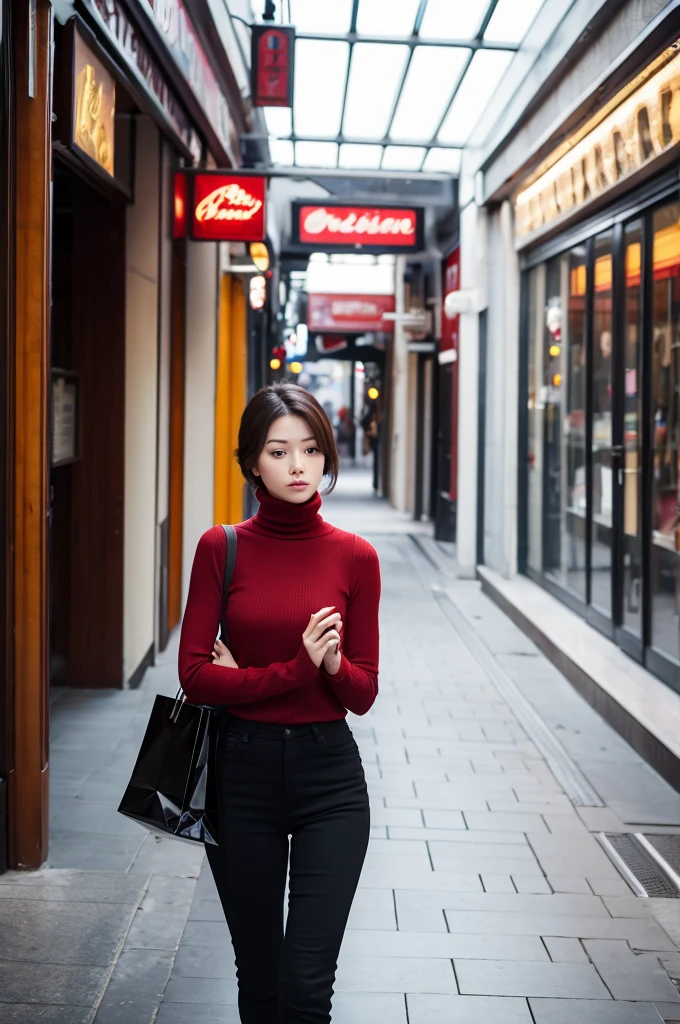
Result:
[557,380]
[373,392]
[555,350]
[275,364]
[296,367]
[259,254]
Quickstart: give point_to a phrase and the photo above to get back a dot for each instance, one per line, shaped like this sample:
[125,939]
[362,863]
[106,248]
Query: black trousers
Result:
[273,782]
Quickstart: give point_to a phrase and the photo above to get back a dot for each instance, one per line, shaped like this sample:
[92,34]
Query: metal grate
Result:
[669,848]
[638,866]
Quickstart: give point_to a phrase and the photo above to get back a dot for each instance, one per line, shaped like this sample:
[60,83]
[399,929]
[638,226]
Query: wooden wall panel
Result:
[98,477]
[28,789]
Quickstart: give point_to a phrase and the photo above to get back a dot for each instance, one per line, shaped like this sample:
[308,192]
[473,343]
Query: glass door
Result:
[602,454]
[664,587]
[628,447]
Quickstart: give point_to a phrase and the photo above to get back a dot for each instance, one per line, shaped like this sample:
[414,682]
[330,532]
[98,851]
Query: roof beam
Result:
[412,41]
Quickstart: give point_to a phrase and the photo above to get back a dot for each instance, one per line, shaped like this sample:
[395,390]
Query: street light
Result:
[296,367]
[372,393]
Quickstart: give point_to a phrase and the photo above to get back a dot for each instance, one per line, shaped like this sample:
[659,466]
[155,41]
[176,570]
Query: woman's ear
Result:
[254,471]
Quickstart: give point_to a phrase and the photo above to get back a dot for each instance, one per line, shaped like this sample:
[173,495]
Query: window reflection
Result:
[632,418]
[601,478]
[666,431]
[564,396]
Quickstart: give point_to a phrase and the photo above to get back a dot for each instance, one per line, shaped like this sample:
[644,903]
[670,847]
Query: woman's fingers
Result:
[321,626]
[314,620]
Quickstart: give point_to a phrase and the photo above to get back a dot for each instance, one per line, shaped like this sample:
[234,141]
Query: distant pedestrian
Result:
[302,614]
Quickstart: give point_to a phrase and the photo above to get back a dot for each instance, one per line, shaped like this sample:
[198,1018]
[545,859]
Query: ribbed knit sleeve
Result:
[204,682]
[355,683]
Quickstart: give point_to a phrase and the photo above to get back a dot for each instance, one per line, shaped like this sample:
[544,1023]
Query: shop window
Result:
[601,445]
[535,412]
[563,397]
[665,382]
[632,439]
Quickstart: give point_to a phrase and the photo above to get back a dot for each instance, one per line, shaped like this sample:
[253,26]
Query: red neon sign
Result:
[349,314]
[379,227]
[228,208]
[179,212]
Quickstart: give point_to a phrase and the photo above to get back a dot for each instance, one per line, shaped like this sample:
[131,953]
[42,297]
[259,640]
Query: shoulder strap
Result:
[229,563]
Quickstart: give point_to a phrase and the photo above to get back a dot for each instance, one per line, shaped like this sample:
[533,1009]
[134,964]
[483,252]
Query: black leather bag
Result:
[171,790]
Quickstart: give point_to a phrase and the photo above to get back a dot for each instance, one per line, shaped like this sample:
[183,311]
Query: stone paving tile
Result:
[643,935]
[502,978]
[583,1011]
[56,984]
[30,1013]
[467,1010]
[408,943]
[395,974]
[565,950]
[628,976]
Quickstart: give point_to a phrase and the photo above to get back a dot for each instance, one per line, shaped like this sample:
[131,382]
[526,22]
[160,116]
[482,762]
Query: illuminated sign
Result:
[338,228]
[272,58]
[179,209]
[94,107]
[258,291]
[259,254]
[349,314]
[640,128]
[228,208]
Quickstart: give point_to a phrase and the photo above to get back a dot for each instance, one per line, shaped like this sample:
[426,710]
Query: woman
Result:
[302,613]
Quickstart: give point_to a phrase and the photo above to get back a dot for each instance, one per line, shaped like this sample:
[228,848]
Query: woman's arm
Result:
[204,682]
[355,683]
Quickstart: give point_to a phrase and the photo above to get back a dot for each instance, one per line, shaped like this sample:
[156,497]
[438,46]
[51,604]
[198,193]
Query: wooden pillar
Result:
[28,782]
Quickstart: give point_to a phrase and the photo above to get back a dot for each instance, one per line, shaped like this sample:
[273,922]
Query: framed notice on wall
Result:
[65,417]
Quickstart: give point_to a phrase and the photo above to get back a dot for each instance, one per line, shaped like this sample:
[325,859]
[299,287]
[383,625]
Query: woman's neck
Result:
[288,520]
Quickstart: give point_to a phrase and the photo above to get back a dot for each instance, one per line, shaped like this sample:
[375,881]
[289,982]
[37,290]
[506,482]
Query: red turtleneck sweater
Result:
[289,564]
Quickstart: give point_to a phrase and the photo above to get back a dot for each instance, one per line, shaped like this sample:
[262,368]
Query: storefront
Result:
[107,363]
[598,227]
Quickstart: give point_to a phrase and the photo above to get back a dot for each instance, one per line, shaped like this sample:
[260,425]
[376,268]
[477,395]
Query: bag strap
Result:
[229,563]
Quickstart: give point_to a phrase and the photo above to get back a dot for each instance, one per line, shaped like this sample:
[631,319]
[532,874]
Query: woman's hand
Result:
[319,643]
[221,655]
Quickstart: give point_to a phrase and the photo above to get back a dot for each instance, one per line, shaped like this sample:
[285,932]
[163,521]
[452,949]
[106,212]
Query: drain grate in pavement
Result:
[668,846]
[642,864]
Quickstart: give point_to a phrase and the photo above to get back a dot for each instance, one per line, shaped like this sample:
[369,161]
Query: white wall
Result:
[199,398]
[473,277]
[141,354]
[500,505]
[399,387]
[164,360]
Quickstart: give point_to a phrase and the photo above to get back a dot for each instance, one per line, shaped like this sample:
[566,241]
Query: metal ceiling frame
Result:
[352,37]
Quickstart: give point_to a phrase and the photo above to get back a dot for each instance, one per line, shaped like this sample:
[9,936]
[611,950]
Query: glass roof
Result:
[391,84]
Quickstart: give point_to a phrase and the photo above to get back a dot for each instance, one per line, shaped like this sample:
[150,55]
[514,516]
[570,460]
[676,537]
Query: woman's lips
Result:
[298,485]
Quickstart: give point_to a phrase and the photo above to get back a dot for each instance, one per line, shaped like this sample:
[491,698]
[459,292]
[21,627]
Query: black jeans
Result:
[306,782]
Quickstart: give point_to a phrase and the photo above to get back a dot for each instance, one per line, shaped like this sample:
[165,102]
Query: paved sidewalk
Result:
[485,896]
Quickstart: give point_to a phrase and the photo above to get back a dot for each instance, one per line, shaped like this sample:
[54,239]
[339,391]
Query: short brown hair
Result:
[266,405]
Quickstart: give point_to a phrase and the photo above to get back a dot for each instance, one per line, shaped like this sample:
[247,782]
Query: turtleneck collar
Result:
[288,520]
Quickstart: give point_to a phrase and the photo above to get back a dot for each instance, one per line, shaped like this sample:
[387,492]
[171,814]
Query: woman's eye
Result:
[312,449]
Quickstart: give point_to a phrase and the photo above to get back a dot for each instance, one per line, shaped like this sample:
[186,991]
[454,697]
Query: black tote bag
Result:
[171,790]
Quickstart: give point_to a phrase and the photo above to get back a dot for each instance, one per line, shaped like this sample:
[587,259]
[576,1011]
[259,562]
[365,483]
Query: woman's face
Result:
[290,455]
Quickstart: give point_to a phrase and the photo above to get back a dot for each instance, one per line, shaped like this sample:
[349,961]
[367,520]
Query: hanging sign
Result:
[349,314]
[94,106]
[228,208]
[339,228]
[272,59]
